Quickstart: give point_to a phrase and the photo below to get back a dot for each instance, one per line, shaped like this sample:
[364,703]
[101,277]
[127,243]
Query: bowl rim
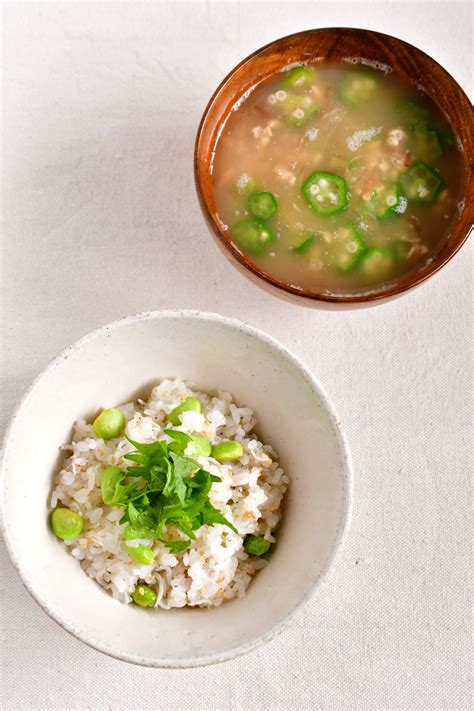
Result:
[375,295]
[338,541]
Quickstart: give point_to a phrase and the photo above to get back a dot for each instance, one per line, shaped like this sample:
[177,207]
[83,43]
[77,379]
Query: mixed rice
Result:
[216,566]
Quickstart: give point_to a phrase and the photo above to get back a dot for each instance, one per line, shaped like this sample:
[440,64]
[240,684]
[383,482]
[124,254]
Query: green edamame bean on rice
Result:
[143,500]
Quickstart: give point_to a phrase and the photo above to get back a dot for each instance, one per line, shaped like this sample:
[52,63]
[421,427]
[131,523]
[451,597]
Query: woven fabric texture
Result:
[101,104]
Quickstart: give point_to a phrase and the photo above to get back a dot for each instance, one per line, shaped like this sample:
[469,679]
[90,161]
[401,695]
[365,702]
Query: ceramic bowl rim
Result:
[346,474]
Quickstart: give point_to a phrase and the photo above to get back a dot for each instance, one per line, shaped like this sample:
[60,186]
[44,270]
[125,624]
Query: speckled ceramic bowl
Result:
[119,362]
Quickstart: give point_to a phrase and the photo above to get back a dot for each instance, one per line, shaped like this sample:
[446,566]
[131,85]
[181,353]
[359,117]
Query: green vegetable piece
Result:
[445,134]
[143,523]
[109,424]
[425,145]
[357,88]
[420,183]
[166,488]
[180,441]
[111,476]
[377,263]
[200,446]
[298,109]
[347,248]
[66,524]
[191,404]
[262,205]
[136,531]
[384,201]
[175,481]
[246,185]
[413,115]
[140,554]
[177,546]
[326,193]
[252,235]
[210,515]
[256,545]
[298,78]
[225,451]
[303,246]
[144,596]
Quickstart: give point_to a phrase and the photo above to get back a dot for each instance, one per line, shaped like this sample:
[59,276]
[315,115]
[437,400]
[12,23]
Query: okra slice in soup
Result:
[298,78]
[347,248]
[298,109]
[377,264]
[425,145]
[326,193]
[302,111]
[262,205]
[303,246]
[445,135]
[420,183]
[385,200]
[412,114]
[357,88]
[252,235]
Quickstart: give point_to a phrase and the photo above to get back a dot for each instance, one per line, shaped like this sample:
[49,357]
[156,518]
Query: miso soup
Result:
[336,179]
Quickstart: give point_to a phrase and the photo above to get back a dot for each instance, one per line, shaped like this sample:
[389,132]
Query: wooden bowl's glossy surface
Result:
[337,45]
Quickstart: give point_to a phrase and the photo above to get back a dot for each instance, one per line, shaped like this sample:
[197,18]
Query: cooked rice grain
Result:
[216,567]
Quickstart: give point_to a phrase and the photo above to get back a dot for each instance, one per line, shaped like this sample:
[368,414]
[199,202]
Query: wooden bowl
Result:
[337,45]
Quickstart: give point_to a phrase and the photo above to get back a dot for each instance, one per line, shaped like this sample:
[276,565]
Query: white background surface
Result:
[101,107]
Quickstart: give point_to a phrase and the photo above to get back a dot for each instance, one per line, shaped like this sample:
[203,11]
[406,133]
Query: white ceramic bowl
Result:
[118,362]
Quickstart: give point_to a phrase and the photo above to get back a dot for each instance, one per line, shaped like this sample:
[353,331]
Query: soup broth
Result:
[336,179]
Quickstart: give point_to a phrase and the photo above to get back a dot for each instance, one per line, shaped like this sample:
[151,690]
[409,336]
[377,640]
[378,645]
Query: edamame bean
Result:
[190,404]
[110,423]
[225,451]
[200,446]
[144,596]
[256,545]
[108,483]
[66,524]
[140,554]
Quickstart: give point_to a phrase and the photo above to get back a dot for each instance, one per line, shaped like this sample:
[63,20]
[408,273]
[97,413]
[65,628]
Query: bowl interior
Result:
[108,368]
[337,45]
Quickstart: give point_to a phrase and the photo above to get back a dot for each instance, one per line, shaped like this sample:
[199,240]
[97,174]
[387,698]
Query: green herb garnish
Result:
[160,488]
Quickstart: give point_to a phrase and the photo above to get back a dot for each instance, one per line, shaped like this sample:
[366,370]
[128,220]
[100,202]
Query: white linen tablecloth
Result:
[101,105]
